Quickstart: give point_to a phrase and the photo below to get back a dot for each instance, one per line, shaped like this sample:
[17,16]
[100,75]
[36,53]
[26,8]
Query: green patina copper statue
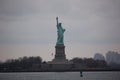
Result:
[60,32]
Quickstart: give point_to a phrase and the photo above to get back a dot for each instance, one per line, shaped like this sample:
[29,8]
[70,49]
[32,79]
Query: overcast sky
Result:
[28,27]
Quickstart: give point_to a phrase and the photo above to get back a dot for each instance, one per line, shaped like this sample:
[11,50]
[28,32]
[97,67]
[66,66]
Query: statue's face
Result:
[60,24]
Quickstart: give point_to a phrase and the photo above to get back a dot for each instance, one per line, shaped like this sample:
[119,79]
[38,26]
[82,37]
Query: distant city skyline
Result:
[28,28]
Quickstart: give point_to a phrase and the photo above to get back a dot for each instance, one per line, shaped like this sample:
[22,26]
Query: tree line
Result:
[90,62]
[21,64]
[35,63]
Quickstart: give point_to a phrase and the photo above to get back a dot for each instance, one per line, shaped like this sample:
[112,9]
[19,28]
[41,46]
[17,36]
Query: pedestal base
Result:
[60,62]
[60,52]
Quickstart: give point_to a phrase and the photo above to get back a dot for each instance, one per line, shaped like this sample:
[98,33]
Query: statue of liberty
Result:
[60,32]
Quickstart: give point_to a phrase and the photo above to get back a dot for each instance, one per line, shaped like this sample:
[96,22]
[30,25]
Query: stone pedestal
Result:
[60,53]
[60,62]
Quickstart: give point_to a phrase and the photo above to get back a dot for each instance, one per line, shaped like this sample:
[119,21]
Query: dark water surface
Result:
[60,76]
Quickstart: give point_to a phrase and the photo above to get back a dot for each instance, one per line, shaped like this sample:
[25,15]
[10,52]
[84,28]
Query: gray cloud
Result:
[94,22]
[29,7]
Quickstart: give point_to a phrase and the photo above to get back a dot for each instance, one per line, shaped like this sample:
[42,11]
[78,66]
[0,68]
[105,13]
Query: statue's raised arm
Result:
[57,20]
